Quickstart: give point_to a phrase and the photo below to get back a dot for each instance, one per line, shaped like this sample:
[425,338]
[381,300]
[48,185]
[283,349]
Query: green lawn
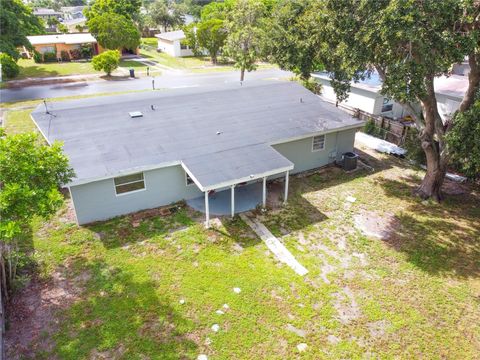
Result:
[30,69]
[412,295]
[190,63]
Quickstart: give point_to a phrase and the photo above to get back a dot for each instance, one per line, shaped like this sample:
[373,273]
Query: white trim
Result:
[324,142]
[250,178]
[39,129]
[207,211]
[131,182]
[130,171]
[286,188]
[324,132]
[232,200]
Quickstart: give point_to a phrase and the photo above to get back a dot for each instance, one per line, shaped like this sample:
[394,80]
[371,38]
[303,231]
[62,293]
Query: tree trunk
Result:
[242,74]
[433,147]
[473,81]
[214,59]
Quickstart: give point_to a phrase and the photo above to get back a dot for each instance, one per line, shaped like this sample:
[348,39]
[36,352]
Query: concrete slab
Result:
[247,198]
[275,246]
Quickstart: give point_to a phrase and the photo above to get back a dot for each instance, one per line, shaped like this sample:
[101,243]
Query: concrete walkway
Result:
[275,246]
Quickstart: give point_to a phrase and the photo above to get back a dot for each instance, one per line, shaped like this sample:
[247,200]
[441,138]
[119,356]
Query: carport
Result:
[225,170]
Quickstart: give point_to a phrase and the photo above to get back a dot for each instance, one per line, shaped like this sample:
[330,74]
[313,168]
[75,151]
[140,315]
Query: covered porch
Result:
[235,180]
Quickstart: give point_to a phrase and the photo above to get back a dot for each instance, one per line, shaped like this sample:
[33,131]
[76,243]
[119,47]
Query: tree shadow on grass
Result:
[121,315]
[437,238]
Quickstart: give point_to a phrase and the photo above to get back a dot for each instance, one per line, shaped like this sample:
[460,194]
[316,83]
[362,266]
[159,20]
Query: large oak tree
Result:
[409,43]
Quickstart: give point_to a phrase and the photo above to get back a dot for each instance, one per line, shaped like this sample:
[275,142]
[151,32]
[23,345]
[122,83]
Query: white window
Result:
[188,179]
[129,183]
[318,143]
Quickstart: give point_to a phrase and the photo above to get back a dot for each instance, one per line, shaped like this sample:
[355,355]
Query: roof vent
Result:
[135,114]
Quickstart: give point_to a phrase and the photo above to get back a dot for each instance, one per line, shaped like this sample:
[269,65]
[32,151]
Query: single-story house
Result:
[63,42]
[45,14]
[139,151]
[170,42]
[365,95]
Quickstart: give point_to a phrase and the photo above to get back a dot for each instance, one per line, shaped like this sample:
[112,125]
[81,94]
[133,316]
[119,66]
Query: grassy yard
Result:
[190,63]
[151,290]
[30,69]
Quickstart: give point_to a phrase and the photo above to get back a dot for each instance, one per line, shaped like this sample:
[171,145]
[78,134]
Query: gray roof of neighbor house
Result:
[172,35]
[218,133]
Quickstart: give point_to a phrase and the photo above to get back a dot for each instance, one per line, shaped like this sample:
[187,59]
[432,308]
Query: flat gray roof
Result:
[218,133]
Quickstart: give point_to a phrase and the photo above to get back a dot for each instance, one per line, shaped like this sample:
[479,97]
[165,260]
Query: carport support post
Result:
[232,202]
[285,198]
[264,193]
[207,211]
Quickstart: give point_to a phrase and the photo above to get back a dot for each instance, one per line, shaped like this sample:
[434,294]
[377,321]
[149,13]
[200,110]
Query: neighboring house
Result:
[171,43]
[72,24]
[45,14]
[73,17]
[140,151]
[365,95]
[64,42]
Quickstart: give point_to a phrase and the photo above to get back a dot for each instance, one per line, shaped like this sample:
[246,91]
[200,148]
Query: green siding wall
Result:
[300,151]
[98,201]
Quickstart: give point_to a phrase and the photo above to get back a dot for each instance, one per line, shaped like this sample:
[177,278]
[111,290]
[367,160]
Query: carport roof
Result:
[228,167]
[206,128]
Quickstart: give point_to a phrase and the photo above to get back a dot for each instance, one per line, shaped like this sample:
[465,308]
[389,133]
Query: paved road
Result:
[102,86]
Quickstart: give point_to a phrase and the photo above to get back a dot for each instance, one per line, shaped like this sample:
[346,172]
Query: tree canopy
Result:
[106,61]
[16,22]
[127,8]
[245,33]
[31,173]
[167,15]
[114,31]
[211,36]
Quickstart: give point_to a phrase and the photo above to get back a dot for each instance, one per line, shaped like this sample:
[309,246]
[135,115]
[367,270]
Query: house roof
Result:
[45,11]
[171,35]
[215,132]
[453,86]
[79,38]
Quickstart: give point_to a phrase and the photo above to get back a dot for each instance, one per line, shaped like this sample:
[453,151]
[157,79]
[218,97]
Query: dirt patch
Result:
[275,192]
[454,188]
[113,354]
[378,328]
[32,313]
[67,214]
[380,226]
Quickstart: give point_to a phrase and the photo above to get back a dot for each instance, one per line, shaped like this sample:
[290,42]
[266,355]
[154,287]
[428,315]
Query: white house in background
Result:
[365,95]
[170,42]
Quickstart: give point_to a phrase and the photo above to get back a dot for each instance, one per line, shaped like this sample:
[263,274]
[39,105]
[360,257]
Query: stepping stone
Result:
[226,307]
[215,327]
[219,312]
[296,331]
[202,357]
[237,290]
[332,339]
[302,347]
[351,199]
[182,301]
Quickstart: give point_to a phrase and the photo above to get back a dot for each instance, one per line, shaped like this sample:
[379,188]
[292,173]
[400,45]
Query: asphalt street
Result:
[165,81]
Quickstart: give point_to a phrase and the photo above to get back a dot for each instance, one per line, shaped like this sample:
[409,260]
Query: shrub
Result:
[371,128]
[86,50]
[10,68]
[106,61]
[49,57]
[76,54]
[64,55]
[37,57]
